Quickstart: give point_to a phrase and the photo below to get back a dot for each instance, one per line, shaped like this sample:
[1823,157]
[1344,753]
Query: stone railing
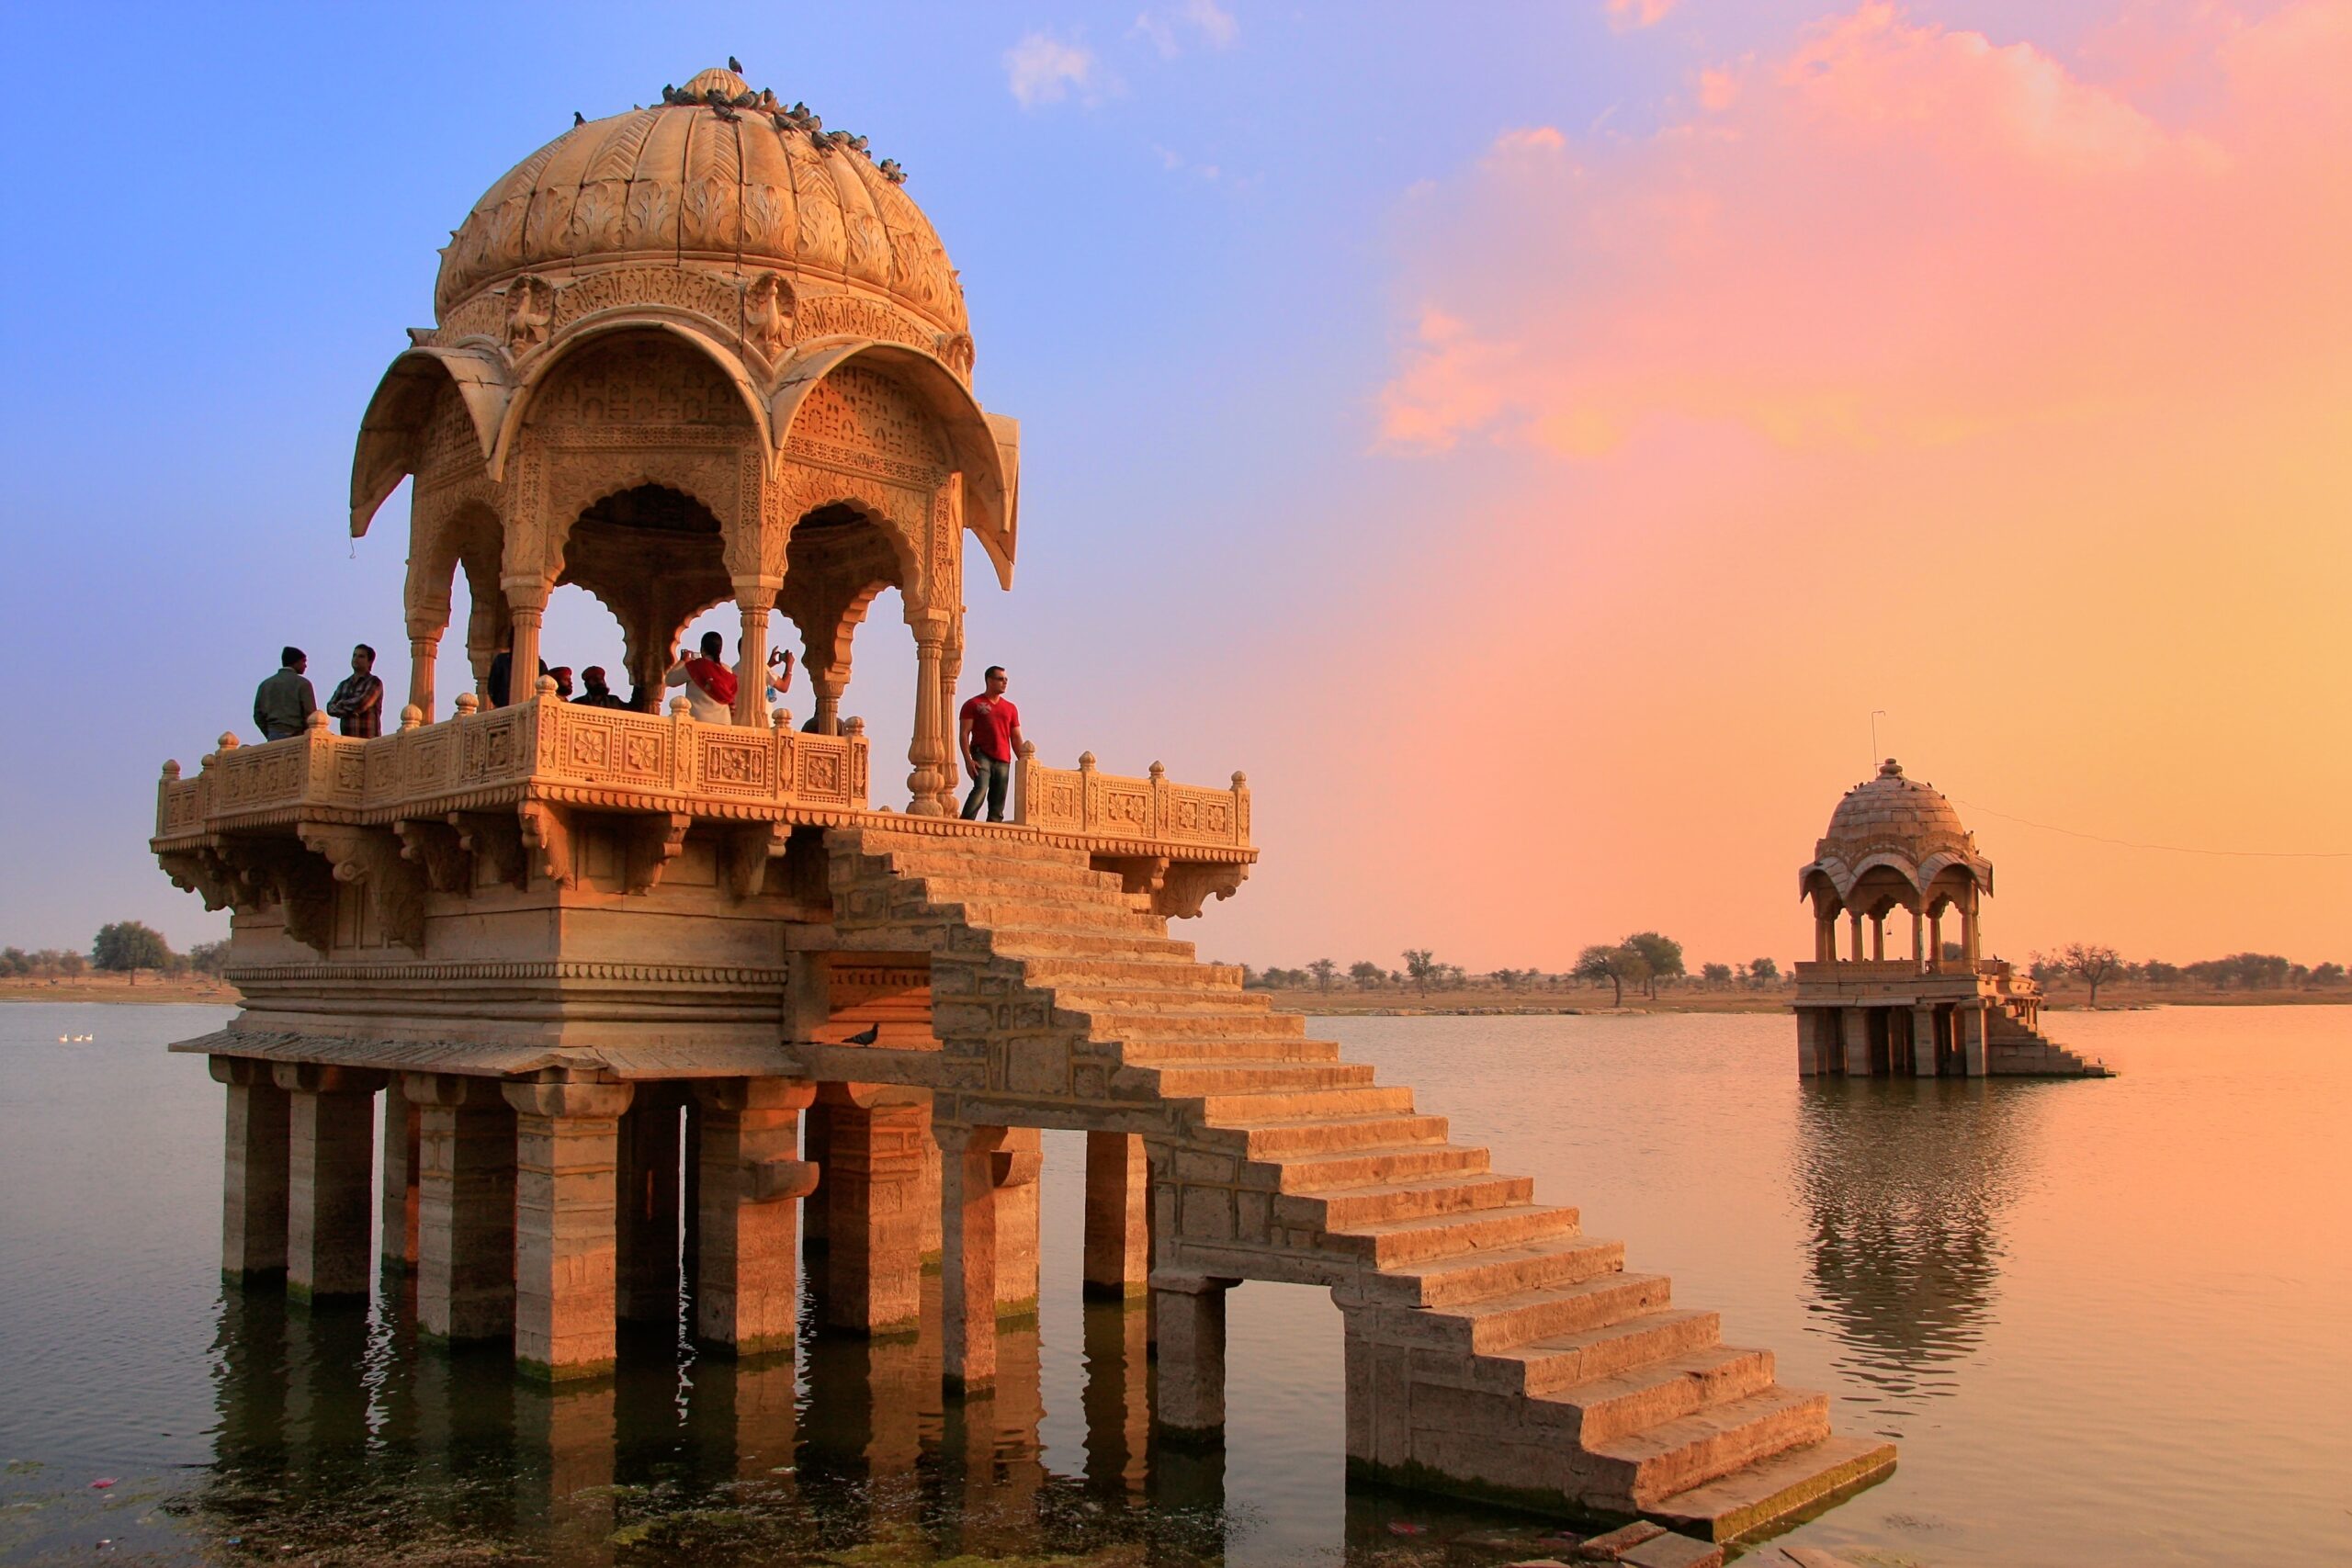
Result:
[1084,800]
[607,758]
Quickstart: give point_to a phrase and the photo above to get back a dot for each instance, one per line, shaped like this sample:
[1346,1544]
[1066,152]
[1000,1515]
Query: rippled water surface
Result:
[2106,1321]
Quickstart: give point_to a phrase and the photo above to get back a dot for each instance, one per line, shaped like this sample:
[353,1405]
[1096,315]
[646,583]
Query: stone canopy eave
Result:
[386,452]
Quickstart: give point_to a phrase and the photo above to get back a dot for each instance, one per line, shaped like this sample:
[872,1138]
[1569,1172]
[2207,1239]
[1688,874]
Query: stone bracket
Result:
[439,850]
[1189,885]
[744,852]
[654,840]
[371,858]
[774,1180]
[546,834]
[1015,1167]
[259,873]
[496,839]
[201,872]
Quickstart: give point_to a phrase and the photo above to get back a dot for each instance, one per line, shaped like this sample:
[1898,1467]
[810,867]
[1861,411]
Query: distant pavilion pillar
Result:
[254,1174]
[329,1171]
[1918,939]
[1854,942]
[1825,939]
[1923,1040]
[465,1241]
[1968,1027]
[1854,1032]
[1878,937]
[1970,937]
[1936,936]
[567,1139]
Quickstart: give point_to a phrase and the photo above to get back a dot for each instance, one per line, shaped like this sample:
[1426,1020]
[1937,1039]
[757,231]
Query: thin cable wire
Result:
[2166,849]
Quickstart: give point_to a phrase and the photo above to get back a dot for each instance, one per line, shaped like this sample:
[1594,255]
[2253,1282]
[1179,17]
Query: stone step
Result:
[1458,1281]
[1775,1487]
[1173,1002]
[1358,1168]
[997,846]
[1130,1023]
[993,890]
[1628,1327]
[1642,1468]
[1186,1080]
[1348,1208]
[1648,1396]
[1179,977]
[1571,1331]
[1201,1053]
[1398,1243]
[1036,915]
[1025,940]
[1284,1139]
[1304,1105]
[931,864]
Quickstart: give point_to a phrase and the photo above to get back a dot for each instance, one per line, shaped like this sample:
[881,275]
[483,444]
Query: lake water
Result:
[2106,1321]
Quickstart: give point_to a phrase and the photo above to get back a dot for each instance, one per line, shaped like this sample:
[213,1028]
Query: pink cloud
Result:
[1627,15]
[1890,232]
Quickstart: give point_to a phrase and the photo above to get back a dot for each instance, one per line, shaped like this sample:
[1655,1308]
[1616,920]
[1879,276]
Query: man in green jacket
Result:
[283,704]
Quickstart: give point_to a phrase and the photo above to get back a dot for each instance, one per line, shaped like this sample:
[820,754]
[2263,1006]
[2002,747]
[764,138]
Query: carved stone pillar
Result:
[645,1217]
[828,684]
[1936,938]
[951,668]
[422,652]
[927,784]
[1118,1226]
[967,1262]
[754,599]
[331,1144]
[1878,938]
[747,1291]
[254,1174]
[566,1140]
[1190,1329]
[526,601]
[1918,938]
[1854,920]
[873,1194]
[464,1242]
[399,1220]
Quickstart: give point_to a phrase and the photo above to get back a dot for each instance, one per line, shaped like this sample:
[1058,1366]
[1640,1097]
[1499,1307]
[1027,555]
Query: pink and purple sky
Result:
[1531,441]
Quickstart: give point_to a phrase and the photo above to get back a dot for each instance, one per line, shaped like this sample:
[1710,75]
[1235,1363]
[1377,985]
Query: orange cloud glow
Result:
[2006,391]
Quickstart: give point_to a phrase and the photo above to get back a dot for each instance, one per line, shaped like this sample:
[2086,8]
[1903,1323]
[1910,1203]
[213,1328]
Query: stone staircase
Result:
[1494,1350]
[2012,1050]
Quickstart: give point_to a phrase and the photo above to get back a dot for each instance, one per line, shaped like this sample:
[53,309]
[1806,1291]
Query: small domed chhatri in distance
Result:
[1896,843]
[643,993]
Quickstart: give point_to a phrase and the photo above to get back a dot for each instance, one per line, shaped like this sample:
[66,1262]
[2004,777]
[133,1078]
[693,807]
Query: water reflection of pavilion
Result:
[1904,1181]
[336,1427]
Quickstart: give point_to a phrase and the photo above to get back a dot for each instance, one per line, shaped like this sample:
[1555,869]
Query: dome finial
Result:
[1890,769]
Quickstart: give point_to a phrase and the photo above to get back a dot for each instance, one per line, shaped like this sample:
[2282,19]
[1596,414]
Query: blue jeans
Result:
[990,777]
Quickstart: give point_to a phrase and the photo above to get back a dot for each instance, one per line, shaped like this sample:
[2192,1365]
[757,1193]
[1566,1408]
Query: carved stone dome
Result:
[1891,809]
[715,178]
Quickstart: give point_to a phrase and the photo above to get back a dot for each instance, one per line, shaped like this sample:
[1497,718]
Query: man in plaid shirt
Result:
[359,698]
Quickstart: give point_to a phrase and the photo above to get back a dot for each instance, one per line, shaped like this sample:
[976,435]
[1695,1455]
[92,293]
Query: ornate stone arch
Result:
[394,431]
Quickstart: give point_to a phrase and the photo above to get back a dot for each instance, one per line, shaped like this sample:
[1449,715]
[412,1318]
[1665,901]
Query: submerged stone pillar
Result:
[747,1293]
[645,1216]
[400,1185]
[1923,1041]
[1191,1394]
[465,1244]
[968,1261]
[873,1193]
[1016,1166]
[816,1133]
[567,1141]
[1969,1025]
[1115,1401]
[1118,1226]
[1854,1035]
[253,1170]
[331,1160]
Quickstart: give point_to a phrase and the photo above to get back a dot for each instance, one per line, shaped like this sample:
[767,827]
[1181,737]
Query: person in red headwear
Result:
[710,686]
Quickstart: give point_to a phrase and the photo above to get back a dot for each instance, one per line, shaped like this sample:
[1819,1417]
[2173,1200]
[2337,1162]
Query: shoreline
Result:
[1486,1002]
[111,988]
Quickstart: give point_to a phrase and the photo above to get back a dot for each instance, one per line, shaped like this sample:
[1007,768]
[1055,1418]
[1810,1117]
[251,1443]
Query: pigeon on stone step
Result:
[872,1033]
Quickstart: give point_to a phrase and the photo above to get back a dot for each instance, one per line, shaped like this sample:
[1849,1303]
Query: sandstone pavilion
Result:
[1896,843]
[608,989]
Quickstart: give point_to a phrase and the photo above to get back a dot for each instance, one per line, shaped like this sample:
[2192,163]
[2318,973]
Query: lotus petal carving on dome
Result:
[764,214]
[596,216]
[652,206]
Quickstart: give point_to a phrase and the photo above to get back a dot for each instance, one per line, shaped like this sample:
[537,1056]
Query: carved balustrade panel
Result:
[1086,800]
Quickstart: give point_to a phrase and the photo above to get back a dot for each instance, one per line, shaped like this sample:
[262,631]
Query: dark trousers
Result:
[991,778]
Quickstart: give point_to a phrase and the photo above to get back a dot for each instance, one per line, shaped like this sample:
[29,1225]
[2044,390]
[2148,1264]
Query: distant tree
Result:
[1615,964]
[2045,968]
[127,947]
[2328,975]
[1250,979]
[1663,955]
[2156,971]
[14,960]
[1509,979]
[68,964]
[1366,973]
[1323,969]
[1421,964]
[1763,972]
[2091,963]
[1954,952]
[209,958]
[1715,974]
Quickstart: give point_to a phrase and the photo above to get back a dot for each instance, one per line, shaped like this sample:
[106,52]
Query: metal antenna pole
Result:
[1876,713]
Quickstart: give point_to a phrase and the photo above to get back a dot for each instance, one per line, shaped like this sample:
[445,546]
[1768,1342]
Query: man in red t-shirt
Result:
[989,732]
